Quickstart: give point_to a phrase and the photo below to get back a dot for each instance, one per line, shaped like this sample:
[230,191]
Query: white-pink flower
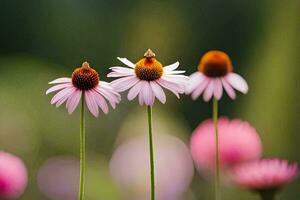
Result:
[265,174]
[84,82]
[146,79]
[215,73]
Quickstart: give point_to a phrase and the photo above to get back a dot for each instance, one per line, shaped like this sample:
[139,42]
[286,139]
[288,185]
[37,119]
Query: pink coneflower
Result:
[265,176]
[238,142]
[85,81]
[13,176]
[86,85]
[146,78]
[215,73]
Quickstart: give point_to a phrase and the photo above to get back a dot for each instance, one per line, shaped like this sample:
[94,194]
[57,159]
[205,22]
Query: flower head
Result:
[146,79]
[13,176]
[85,81]
[215,73]
[265,174]
[238,142]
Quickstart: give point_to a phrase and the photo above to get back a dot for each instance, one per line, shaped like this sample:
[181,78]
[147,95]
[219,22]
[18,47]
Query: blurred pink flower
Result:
[13,176]
[265,174]
[174,168]
[58,178]
[215,73]
[238,142]
[146,78]
[85,80]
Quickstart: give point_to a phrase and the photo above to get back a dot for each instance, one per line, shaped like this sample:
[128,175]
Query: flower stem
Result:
[267,194]
[149,110]
[217,161]
[82,149]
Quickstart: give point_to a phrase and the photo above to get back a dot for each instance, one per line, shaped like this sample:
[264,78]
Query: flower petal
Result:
[101,102]
[120,72]
[73,101]
[61,80]
[134,91]
[125,83]
[237,82]
[229,90]
[172,87]
[126,62]
[171,67]
[218,89]
[158,92]
[67,91]
[194,82]
[58,87]
[148,94]
[209,90]
[91,103]
[200,88]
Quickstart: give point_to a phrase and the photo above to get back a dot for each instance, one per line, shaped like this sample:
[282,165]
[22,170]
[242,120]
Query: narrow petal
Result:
[147,94]
[171,67]
[179,79]
[112,99]
[209,90]
[158,92]
[125,83]
[196,79]
[200,88]
[73,101]
[218,89]
[61,94]
[107,86]
[65,98]
[91,103]
[120,72]
[126,62]
[61,80]
[101,102]
[58,87]
[134,91]
[170,86]
[237,82]
[174,72]
[229,90]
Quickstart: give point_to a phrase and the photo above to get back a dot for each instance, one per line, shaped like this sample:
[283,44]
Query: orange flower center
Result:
[84,77]
[148,68]
[215,64]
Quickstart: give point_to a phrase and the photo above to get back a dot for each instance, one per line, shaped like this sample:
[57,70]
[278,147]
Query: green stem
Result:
[149,110]
[268,194]
[217,161]
[82,149]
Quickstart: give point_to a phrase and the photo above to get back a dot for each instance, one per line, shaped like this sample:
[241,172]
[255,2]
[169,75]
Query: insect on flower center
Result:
[148,68]
[215,64]
[85,77]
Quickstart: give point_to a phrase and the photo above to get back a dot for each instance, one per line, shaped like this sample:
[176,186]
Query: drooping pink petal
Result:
[179,79]
[120,72]
[209,90]
[158,92]
[58,87]
[148,94]
[237,82]
[134,91]
[194,82]
[61,80]
[65,97]
[112,99]
[126,62]
[108,87]
[91,103]
[125,83]
[174,72]
[218,89]
[73,101]
[201,87]
[100,102]
[65,92]
[171,67]
[229,90]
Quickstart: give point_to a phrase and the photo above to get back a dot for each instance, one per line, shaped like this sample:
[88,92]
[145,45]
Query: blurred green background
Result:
[43,40]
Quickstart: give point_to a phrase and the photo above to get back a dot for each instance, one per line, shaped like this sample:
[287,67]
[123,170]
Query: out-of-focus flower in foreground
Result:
[85,81]
[13,176]
[129,167]
[215,73]
[265,176]
[146,79]
[239,142]
[58,178]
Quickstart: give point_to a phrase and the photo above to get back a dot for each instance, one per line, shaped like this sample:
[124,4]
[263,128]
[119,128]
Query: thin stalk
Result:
[82,149]
[149,110]
[217,161]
